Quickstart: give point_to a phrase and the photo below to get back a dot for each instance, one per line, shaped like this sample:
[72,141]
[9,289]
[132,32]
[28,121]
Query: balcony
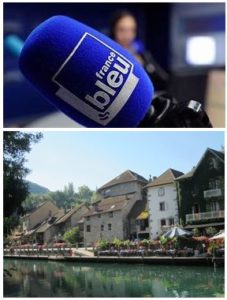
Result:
[212,193]
[165,228]
[220,214]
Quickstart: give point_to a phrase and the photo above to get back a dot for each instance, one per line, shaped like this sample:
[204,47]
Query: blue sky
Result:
[94,158]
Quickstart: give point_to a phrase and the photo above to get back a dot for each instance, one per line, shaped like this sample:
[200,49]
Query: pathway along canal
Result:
[34,278]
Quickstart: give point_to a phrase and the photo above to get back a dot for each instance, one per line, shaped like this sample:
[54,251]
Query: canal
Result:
[34,278]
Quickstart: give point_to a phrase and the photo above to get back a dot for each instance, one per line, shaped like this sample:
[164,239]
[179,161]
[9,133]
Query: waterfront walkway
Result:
[83,252]
[204,261]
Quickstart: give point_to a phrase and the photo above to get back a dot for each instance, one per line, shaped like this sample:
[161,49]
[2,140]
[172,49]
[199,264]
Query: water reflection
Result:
[62,279]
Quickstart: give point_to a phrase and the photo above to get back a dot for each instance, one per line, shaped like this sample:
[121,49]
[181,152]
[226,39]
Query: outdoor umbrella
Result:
[218,236]
[176,231]
[201,238]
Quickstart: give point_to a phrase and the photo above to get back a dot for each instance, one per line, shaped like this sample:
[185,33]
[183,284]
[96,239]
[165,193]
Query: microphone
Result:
[85,74]
[96,82]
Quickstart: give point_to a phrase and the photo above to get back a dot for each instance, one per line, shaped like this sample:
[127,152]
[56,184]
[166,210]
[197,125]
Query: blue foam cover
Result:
[85,74]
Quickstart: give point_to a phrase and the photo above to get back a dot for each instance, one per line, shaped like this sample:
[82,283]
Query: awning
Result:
[201,238]
[220,235]
[204,225]
[143,215]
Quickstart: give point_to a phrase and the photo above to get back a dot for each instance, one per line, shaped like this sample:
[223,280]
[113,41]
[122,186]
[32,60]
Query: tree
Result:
[64,199]
[95,197]
[33,200]
[84,194]
[70,195]
[15,145]
[72,236]
[59,197]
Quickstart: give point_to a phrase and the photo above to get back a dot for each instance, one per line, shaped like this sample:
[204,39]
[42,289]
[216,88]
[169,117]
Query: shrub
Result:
[196,232]
[212,248]
[145,243]
[126,243]
[102,244]
[117,243]
[210,231]
[163,240]
[72,236]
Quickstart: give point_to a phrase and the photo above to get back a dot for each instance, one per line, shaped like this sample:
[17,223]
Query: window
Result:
[106,192]
[195,208]
[111,214]
[218,183]
[195,54]
[195,190]
[171,221]
[161,191]
[214,206]
[211,184]
[162,206]
[99,216]
[87,218]
[88,228]
[214,184]
[102,227]
[163,222]
[212,163]
[109,226]
[144,224]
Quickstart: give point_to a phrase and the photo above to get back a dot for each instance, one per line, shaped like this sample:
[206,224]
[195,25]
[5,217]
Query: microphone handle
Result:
[166,112]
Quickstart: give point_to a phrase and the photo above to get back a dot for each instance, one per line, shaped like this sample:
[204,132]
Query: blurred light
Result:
[13,44]
[200,50]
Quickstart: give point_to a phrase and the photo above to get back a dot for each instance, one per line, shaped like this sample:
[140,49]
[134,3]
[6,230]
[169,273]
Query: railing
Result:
[212,193]
[205,216]
[165,228]
[29,251]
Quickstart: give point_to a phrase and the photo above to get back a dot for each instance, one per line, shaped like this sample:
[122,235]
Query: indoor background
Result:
[186,39]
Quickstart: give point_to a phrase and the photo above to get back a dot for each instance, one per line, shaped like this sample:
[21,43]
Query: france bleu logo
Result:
[95,80]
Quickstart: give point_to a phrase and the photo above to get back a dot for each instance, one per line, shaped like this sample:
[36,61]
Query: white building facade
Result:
[162,203]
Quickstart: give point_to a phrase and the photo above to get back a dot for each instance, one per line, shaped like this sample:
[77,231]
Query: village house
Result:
[130,207]
[114,216]
[47,231]
[126,183]
[47,223]
[162,202]
[72,218]
[52,230]
[39,214]
[201,193]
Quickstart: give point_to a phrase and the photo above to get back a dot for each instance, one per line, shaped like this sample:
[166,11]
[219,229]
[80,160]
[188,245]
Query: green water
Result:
[31,278]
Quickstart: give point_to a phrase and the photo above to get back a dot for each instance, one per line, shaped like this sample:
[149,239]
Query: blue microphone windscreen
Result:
[85,74]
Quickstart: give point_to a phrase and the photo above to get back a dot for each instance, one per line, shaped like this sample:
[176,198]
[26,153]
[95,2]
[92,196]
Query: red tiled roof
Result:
[126,176]
[167,177]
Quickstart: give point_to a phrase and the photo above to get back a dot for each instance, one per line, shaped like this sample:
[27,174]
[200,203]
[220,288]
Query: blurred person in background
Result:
[123,29]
